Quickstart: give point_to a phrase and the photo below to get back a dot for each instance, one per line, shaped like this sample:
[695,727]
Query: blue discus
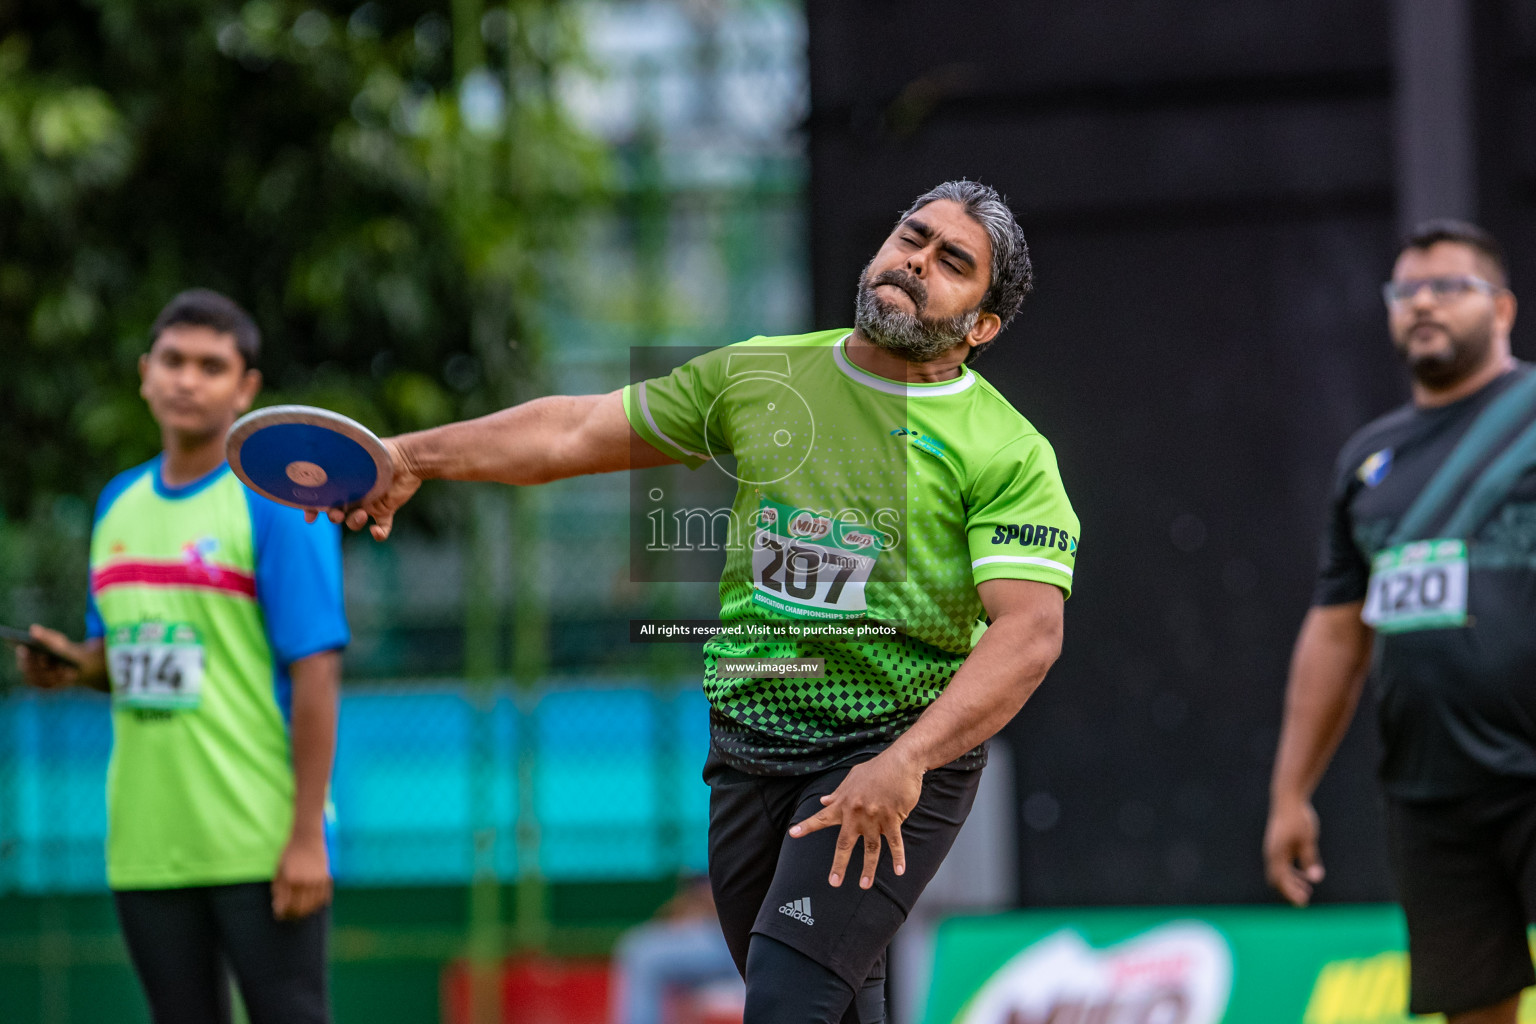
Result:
[308,458]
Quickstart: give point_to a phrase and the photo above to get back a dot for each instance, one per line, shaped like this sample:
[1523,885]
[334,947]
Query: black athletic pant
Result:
[1466,876]
[181,939]
[788,986]
[812,954]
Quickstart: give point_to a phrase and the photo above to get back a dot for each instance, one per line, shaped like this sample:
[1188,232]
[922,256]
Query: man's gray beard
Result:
[914,338]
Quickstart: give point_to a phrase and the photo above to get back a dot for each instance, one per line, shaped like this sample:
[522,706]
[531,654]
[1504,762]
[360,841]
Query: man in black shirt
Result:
[1427,582]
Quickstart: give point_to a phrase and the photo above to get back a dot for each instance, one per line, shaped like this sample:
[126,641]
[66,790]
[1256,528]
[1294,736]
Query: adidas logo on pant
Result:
[799,909]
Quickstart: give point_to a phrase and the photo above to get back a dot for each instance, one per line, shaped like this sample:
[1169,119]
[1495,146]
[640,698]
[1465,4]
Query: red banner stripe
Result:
[174,574]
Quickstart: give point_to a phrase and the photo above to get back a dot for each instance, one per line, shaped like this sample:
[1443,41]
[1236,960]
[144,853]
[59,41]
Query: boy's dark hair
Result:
[1430,232]
[203,307]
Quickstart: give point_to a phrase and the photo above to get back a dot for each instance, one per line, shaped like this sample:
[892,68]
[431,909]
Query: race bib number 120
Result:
[1421,585]
[809,566]
[156,665]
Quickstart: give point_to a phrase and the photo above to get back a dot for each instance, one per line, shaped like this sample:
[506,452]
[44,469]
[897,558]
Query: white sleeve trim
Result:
[1022,560]
[645,410]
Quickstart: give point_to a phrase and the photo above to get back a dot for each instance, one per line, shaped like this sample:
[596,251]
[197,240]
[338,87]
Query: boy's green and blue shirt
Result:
[204,595]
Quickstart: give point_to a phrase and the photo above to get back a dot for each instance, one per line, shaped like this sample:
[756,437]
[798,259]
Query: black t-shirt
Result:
[1457,706]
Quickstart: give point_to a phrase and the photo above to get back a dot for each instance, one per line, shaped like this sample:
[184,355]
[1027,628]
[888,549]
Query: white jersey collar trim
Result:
[892,387]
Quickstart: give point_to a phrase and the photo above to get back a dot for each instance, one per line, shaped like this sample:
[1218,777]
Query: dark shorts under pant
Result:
[1466,875]
[180,941]
[767,883]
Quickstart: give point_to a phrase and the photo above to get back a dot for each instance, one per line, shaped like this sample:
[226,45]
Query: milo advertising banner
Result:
[1255,965]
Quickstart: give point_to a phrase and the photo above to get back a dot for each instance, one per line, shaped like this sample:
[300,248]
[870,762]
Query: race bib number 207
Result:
[1421,585]
[809,566]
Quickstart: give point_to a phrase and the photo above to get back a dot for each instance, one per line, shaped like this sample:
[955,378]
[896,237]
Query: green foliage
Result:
[376,183]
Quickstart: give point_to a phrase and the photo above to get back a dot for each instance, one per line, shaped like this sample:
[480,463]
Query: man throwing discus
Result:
[879,478]
[215,621]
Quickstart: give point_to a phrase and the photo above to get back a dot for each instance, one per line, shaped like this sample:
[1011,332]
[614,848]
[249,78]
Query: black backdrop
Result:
[1208,191]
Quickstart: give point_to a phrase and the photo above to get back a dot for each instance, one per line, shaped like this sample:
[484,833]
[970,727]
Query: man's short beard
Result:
[1463,357]
[912,336]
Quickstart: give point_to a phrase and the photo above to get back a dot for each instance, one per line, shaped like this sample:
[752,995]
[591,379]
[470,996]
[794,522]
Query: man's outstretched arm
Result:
[1009,662]
[533,443]
[1328,669]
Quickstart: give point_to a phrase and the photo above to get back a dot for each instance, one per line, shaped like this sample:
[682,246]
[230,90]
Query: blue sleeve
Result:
[94,626]
[95,629]
[298,581]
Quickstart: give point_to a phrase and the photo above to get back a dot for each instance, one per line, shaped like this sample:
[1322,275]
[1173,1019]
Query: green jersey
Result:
[858,498]
[204,595]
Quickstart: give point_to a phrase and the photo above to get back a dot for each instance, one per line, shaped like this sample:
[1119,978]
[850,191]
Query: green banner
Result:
[1170,965]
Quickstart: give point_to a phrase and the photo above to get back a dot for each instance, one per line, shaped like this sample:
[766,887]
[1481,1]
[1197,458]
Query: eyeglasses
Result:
[1441,289]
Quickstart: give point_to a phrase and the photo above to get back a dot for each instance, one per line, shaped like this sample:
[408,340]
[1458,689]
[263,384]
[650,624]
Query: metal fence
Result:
[436,783]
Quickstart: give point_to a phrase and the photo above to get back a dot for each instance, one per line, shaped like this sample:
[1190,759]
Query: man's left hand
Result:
[872,802]
[303,882]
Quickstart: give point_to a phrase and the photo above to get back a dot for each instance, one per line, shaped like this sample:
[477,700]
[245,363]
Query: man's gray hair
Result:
[1012,275]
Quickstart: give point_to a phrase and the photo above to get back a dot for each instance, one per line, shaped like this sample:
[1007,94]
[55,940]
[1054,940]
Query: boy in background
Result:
[216,623]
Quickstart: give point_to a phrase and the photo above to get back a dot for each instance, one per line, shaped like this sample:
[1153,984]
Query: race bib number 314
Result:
[1421,585]
[809,566]
[156,665]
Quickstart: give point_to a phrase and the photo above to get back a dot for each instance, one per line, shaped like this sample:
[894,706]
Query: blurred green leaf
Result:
[317,161]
